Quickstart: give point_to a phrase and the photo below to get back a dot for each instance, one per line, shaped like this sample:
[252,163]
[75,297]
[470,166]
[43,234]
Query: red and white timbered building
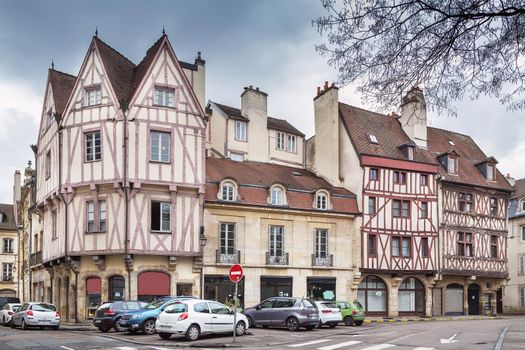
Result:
[120,178]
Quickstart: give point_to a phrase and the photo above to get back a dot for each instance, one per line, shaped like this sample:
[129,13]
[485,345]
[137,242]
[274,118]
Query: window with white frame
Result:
[228,191]
[410,150]
[277,195]
[164,96]
[321,200]
[321,243]
[92,224]
[8,245]
[93,147]
[227,238]
[491,172]
[93,96]
[292,144]
[54,224]
[240,130]
[160,146]
[7,271]
[238,157]
[160,216]
[281,140]
[521,264]
[451,165]
[276,240]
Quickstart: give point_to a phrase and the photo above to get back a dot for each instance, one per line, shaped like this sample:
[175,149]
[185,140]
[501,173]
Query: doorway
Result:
[473,299]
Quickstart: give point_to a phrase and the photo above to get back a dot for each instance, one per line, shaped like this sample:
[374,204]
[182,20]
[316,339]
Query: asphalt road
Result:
[473,334]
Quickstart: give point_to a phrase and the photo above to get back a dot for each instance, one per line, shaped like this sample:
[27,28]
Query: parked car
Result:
[194,317]
[352,312]
[291,313]
[5,300]
[36,315]
[329,313]
[108,315]
[144,319]
[7,312]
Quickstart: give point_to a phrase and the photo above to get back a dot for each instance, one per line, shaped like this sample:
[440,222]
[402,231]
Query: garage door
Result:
[152,285]
[454,300]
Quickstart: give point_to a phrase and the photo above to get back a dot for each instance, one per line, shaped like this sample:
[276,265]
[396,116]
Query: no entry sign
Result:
[236,273]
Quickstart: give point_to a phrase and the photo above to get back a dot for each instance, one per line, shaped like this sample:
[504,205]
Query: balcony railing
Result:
[323,261]
[225,258]
[7,278]
[276,259]
[35,258]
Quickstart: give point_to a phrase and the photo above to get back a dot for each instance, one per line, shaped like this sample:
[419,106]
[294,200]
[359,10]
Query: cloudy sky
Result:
[265,43]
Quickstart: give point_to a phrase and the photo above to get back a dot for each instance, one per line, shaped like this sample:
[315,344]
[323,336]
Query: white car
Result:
[195,317]
[7,313]
[329,313]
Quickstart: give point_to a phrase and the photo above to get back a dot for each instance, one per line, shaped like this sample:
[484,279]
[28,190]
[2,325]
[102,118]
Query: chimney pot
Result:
[251,86]
[333,84]
[257,88]
[318,90]
[326,85]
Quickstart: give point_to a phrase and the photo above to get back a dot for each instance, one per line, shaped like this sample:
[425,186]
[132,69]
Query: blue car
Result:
[144,319]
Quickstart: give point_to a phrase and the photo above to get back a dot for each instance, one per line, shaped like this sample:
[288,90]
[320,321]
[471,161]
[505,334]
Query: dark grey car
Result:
[291,313]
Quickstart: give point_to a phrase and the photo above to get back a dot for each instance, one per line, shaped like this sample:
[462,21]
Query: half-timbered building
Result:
[120,178]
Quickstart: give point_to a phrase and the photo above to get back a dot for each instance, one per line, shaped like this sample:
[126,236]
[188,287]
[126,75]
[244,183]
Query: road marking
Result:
[340,345]
[309,343]
[379,347]
[501,337]
[422,348]
[65,347]
[125,348]
[449,340]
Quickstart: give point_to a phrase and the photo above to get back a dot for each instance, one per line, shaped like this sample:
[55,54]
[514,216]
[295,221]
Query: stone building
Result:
[8,252]
[514,291]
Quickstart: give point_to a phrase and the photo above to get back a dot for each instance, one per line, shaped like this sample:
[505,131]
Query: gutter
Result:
[124,108]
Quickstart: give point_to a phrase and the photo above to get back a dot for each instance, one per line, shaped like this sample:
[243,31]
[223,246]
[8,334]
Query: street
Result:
[472,334]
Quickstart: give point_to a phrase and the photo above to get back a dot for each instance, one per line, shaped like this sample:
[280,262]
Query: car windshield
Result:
[43,307]
[156,304]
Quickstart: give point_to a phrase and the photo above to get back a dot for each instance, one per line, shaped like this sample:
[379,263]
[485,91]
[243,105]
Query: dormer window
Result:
[451,165]
[491,172]
[277,195]
[164,96]
[488,168]
[321,200]
[373,139]
[410,151]
[93,96]
[228,191]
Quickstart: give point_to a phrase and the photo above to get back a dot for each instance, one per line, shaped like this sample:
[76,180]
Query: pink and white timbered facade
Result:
[121,176]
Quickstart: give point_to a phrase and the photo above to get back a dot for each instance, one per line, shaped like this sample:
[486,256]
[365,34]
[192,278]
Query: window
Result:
[47,165]
[494,246]
[8,245]
[373,139]
[521,265]
[522,233]
[92,225]
[321,201]
[321,243]
[522,295]
[373,174]
[160,146]
[372,205]
[465,202]
[406,247]
[410,151]
[218,309]
[240,130]
[164,97]
[291,147]
[493,206]
[201,308]
[228,191]
[281,141]
[277,195]
[49,119]
[372,249]
[523,205]
[401,208]
[424,210]
[424,247]
[395,246]
[7,271]
[238,157]
[227,238]
[93,147]
[464,244]
[161,216]
[276,240]
[400,177]
[423,180]
[93,96]
[54,223]
[491,172]
[451,165]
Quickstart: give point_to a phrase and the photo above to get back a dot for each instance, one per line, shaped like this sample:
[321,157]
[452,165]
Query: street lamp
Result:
[202,237]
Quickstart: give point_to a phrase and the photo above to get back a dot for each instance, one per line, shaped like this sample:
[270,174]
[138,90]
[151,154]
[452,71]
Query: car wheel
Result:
[193,332]
[292,324]
[310,328]
[358,323]
[12,325]
[250,322]
[349,321]
[240,329]
[118,327]
[165,336]
[3,321]
[23,325]
[103,329]
[332,324]
[149,327]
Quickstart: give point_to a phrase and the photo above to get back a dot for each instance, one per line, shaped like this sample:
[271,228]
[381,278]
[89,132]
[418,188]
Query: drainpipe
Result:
[439,251]
[31,211]
[124,108]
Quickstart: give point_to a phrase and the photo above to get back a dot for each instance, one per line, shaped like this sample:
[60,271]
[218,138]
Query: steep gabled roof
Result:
[232,112]
[143,66]
[362,124]
[469,154]
[519,188]
[283,125]
[8,222]
[62,85]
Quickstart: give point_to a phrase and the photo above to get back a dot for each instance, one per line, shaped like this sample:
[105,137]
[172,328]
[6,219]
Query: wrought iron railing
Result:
[327,260]
[276,259]
[228,258]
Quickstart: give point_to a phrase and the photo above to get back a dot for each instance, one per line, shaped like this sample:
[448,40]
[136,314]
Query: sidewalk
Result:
[425,319]
[83,326]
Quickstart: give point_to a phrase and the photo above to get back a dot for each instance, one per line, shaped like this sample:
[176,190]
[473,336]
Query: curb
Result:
[468,318]
[176,345]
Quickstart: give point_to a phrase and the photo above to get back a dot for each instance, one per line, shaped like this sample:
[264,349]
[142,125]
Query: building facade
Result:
[514,291]
[120,177]
[9,252]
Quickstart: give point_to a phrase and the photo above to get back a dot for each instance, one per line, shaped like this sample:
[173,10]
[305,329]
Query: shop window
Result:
[93,292]
[275,286]
[321,288]
[221,289]
[411,296]
[116,285]
[372,294]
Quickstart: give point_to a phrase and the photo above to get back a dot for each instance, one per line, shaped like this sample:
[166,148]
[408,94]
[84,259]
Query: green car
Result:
[352,312]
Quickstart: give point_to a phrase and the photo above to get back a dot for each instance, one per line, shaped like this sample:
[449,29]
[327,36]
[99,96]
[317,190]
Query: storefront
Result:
[152,285]
[454,300]
[276,286]
[321,288]
[411,297]
[221,289]
[372,294]
[116,285]
[93,293]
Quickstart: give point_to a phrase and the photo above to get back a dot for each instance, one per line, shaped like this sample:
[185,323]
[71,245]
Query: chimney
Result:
[16,186]
[199,79]
[254,101]
[511,180]
[326,114]
[254,106]
[413,117]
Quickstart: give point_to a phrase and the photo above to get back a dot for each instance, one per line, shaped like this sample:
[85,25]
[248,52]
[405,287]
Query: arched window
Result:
[116,288]
[372,294]
[277,195]
[228,191]
[411,297]
[322,200]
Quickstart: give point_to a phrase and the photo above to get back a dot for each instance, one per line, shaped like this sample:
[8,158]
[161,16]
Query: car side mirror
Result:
[258,307]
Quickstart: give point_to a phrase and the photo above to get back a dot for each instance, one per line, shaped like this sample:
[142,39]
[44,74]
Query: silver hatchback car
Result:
[36,315]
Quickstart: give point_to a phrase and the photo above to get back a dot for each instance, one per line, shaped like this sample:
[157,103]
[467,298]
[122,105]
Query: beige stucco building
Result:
[8,252]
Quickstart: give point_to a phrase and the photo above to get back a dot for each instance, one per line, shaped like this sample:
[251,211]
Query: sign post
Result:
[236,273]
